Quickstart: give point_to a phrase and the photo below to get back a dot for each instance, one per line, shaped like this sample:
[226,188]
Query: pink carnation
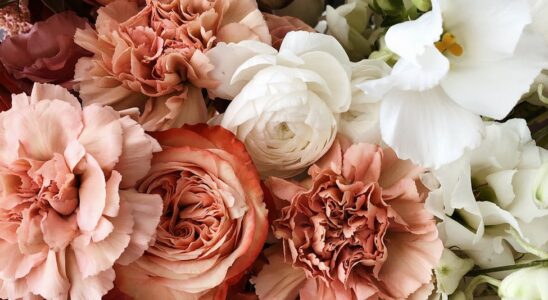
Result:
[152,59]
[68,210]
[357,229]
[46,53]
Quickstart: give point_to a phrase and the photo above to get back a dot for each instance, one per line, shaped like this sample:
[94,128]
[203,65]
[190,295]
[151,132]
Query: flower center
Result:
[448,43]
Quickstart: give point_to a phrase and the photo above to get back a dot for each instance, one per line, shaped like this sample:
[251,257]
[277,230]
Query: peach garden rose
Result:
[356,229]
[214,221]
[153,58]
[68,209]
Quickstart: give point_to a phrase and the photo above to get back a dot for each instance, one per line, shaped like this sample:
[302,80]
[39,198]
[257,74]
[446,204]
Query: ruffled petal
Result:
[102,135]
[146,210]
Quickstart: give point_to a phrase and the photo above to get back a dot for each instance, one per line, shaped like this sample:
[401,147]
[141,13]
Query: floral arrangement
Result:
[274,149]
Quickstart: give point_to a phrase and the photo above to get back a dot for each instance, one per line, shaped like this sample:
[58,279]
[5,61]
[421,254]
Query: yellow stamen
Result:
[449,43]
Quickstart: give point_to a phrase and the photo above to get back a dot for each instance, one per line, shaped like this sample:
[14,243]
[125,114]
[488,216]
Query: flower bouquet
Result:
[274,149]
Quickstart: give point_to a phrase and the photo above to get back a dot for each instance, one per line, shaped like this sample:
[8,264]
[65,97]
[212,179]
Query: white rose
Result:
[286,104]
[361,122]
[529,283]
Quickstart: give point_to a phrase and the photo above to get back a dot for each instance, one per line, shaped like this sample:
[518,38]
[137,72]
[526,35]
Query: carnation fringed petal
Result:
[357,227]
[162,79]
[64,224]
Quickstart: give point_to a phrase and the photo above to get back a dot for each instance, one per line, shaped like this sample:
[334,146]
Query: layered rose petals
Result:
[153,58]
[280,26]
[214,222]
[358,228]
[65,217]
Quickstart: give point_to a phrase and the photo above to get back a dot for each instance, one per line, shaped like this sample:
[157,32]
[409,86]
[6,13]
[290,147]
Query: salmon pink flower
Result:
[214,222]
[68,210]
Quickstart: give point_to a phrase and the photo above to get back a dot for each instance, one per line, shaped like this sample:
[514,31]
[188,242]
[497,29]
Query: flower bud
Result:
[450,271]
[529,283]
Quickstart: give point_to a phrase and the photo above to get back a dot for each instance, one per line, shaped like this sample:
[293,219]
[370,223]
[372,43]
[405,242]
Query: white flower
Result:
[489,190]
[539,10]
[348,23]
[450,271]
[529,283]
[463,59]
[286,105]
[361,122]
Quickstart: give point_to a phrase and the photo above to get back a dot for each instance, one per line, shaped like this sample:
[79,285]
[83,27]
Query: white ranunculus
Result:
[286,104]
[361,122]
[529,283]
[461,60]
[489,190]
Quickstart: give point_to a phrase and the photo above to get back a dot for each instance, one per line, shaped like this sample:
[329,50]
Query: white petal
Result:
[410,39]
[524,206]
[300,42]
[493,87]
[486,28]
[225,68]
[428,127]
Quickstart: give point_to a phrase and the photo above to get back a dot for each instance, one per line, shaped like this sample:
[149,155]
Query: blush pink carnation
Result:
[214,222]
[153,58]
[47,53]
[357,228]
[68,210]
[280,26]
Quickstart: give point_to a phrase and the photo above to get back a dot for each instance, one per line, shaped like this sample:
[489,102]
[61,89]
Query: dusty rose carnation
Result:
[47,53]
[357,227]
[214,222]
[280,26]
[153,58]
[68,211]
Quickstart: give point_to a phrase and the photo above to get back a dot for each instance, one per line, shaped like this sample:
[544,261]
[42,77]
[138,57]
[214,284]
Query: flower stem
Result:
[543,262]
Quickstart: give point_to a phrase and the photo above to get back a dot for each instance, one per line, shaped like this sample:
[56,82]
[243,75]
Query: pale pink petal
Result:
[74,153]
[58,231]
[411,259]
[92,195]
[146,210]
[94,258]
[112,204]
[278,280]
[44,91]
[102,231]
[394,169]
[316,289]
[40,130]
[362,162]
[102,135]
[49,279]
[14,289]
[14,264]
[89,288]
[134,162]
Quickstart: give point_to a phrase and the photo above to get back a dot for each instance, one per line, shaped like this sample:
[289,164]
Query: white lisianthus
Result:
[529,283]
[461,60]
[489,191]
[361,122]
[286,104]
